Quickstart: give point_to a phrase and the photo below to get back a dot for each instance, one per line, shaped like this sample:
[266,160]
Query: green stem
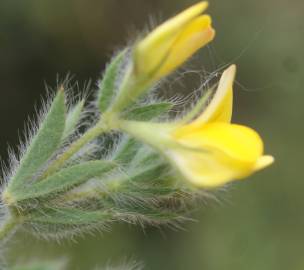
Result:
[90,135]
[8,228]
[144,132]
[131,88]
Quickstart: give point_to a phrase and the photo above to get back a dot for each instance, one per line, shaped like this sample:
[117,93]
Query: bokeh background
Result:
[258,223]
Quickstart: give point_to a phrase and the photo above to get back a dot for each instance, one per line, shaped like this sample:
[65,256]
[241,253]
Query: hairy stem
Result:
[131,88]
[87,137]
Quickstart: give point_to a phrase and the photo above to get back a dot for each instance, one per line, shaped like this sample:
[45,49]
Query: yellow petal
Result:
[220,108]
[153,49]
[238,141]
[264,162]
[201,169]
[218,153]
[196,35]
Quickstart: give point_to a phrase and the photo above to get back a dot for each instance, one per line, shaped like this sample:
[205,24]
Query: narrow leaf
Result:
[145,156]
[148,174]
[126,150]
[135,213]
[130,151]
[65,179]
[108,83]
[69,216]
[149,111]
[41,266]
[72,119]
[44,143]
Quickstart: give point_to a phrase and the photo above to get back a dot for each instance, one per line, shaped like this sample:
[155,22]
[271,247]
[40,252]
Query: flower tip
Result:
[230,72]
[211,33]
[264,162]
[202,6]
[61,88]
[197,8]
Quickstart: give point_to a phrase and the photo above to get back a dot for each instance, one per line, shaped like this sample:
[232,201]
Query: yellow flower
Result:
[213,151]
[209,151]
[173,42]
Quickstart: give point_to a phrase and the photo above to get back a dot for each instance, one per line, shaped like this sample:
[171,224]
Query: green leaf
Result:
[44,143]
[149,111]
[69,216]
[35,267]
[65,179]
[107,85]
[41,265]
[145,156]
[136,213]
[147,174]
[126,150]
[131,151]
[72,119]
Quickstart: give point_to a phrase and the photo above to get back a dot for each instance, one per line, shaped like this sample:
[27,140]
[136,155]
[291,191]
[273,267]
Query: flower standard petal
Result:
[220,107]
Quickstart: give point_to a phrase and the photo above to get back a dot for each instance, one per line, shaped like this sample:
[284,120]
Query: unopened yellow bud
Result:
[173,42]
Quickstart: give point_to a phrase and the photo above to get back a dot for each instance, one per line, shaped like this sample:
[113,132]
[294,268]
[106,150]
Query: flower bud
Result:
[173,42]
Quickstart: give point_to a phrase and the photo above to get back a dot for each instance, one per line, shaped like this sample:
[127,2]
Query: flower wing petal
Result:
[218,153]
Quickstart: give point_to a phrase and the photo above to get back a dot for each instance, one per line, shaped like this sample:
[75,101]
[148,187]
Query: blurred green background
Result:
[258,223]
